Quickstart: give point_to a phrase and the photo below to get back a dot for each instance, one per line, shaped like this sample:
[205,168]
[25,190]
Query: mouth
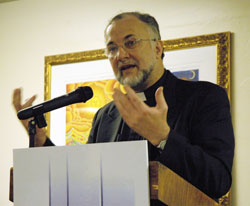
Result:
[127,67]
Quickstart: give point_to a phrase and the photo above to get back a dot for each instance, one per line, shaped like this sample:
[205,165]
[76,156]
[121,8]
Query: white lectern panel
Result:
[29,166]
[101,174]
[125,175]
[84,175]
[58,176]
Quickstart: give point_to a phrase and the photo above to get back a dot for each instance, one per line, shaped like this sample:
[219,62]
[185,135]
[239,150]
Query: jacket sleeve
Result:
[48,142]
[203,155]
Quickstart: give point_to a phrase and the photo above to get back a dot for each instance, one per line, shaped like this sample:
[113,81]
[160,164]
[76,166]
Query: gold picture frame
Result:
[219,41]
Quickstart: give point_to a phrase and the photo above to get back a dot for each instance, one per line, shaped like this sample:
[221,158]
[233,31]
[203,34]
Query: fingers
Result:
[135,101]
[17,100]
[149,122]
[29,102]
[129,102]
[121,101]
[160,99]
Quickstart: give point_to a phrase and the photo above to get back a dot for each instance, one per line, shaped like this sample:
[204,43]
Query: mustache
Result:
[126,64]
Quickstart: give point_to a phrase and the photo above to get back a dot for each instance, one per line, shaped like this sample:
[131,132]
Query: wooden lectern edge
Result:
[165,186]
[171,189]
[11,185]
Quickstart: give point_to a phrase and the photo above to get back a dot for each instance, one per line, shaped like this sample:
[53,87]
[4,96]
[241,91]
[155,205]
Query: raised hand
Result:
[17,103]
[149,122]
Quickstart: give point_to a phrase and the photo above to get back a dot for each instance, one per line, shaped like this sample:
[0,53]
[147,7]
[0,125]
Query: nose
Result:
[122,53]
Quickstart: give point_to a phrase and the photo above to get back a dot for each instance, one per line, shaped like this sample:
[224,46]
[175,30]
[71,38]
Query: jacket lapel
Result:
[170,97]
[111,125]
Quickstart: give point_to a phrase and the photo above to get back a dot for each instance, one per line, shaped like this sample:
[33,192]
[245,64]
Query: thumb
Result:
[160,100]
[29,102]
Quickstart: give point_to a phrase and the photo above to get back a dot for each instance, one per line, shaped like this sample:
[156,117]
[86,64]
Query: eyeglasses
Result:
[129,44]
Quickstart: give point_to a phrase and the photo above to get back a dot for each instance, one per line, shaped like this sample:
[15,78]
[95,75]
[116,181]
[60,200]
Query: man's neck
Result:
[155,76]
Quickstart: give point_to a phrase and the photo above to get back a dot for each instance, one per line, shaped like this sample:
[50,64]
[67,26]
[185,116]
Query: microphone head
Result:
[86,93]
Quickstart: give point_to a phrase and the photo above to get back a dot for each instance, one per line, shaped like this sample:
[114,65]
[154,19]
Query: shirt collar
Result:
[149,93]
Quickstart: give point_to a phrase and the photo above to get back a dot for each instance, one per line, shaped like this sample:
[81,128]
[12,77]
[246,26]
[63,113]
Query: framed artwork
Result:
[205,57]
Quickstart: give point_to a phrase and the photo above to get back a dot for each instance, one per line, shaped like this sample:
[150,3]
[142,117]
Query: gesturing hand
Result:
[16,101]
[149,122]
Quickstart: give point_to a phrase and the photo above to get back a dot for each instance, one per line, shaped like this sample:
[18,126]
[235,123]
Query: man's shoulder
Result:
[189,88]
[200,93]
[198,88]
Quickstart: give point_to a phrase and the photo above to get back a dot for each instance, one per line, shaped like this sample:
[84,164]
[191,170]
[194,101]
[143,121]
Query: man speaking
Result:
[187,124]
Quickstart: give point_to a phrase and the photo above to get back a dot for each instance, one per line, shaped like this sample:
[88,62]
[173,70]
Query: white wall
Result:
[32,29]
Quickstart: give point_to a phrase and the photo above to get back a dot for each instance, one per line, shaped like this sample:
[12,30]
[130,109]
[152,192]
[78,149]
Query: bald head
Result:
[146,18]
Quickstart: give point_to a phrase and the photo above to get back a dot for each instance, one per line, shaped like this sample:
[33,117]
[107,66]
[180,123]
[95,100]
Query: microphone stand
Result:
[38,120]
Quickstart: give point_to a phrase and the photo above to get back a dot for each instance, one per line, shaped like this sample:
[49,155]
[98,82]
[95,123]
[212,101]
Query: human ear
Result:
[159,48]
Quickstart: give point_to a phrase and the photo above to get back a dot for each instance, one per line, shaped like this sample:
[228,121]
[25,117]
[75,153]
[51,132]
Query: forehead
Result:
[128,25]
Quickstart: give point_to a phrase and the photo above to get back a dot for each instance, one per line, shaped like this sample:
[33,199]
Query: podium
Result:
[166,188]
[170,189]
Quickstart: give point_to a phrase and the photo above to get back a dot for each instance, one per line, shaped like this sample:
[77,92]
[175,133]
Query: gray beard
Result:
[138,82]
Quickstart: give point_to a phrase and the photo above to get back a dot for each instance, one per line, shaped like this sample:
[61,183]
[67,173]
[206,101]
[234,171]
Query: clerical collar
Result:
[150,92]
[141,95]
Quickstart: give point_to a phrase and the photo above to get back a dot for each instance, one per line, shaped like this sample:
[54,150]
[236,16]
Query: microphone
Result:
[81,94]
